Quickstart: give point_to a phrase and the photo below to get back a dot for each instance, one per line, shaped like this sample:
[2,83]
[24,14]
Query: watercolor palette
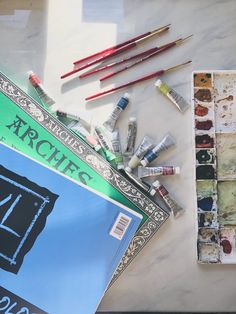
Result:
[214,100]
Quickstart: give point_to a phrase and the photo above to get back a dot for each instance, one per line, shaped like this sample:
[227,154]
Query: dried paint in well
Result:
[205,172]
[208,252]
[227,202]
[203,95]
[205,156]
[204,141]
[227,245]
[202,80]
[205,125]
[206,188]
[207,204]
[226,156]
[208,235]
[208,219]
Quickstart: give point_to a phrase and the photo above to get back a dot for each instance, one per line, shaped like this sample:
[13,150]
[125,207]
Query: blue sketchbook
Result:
[60,241]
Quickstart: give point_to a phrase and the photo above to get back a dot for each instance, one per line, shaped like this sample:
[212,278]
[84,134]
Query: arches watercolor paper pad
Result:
[60,242]
[28,126]
[214,100]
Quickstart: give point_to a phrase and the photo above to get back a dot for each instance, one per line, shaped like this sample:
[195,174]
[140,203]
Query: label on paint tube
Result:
[157,171]
[166,142]
[174,97]
[143,147]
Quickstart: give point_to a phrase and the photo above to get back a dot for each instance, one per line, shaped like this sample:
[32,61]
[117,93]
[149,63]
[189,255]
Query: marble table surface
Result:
[46,36]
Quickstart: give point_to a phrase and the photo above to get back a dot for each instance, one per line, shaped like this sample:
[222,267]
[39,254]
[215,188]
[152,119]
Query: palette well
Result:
[214,94]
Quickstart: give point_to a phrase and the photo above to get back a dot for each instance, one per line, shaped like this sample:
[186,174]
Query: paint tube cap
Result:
[134,162]
[128,169]
[158,83]
[144,162]
[132,119]
[123,102]
[156,184]
[177,170]
[120,167]
[152,192]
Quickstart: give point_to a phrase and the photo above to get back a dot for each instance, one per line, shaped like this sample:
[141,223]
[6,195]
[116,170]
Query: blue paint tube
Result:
[112,119]
[144,146]
[154,153]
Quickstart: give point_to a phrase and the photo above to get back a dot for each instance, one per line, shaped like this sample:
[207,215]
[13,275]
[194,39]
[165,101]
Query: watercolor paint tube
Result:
[144,146]
[169,201]
[103,138]
[115,140]
[166,142]
[173,96]
[145,186]
[157,171]
[112,119]
[83,118]
[83,133]
[131,137]
[77,127]
[41,91]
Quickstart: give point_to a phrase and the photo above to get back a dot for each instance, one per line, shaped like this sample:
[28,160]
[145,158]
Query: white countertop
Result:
[48,36]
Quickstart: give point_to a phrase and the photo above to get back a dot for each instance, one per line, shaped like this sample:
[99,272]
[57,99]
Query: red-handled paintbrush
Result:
[116,46]
[144,78]
[154,53]
[116,51]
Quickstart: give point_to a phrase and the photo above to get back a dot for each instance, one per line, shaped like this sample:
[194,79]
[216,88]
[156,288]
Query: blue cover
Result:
[56,250]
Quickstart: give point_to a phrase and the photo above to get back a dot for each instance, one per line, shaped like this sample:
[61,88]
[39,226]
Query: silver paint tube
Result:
[131,137]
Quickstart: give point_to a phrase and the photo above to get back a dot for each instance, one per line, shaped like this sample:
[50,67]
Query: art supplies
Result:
[113,117]
[119,45]
[157,171]
[169,201]
[215,137]
[145,57]
[151,155]
[41,91]
[143,78]
[173,96]
[131,137]
[29,127]
[144,146]
[52,230]
[117,51]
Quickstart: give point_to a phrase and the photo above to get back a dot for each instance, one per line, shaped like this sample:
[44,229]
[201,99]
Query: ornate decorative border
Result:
[156,215]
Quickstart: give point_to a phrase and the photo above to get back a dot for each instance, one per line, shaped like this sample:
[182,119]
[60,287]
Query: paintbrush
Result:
[142,54]
[144,78]
[116,46]
[156,52]
[116,51]
[110,65]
